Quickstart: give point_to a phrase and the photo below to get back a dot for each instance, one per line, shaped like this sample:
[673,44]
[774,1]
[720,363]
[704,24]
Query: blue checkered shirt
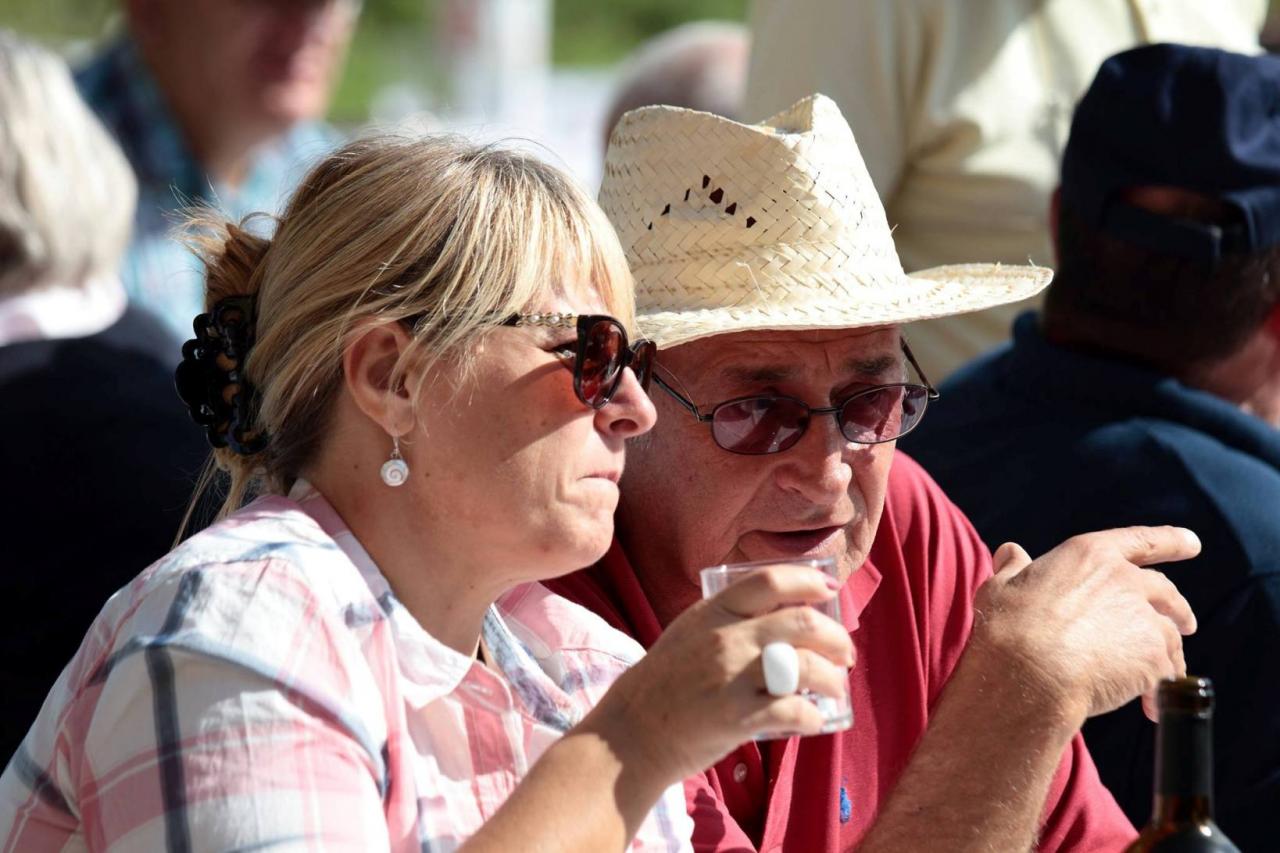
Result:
[158,271]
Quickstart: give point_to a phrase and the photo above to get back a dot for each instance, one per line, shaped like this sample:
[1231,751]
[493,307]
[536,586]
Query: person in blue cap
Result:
[1148,391]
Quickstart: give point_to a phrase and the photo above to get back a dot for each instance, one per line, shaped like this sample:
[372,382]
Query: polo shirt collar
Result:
[1055,375]
[434,668]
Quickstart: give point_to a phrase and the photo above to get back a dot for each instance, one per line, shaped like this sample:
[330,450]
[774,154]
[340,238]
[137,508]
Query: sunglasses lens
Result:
[883,414]
[759,424]
[601,365]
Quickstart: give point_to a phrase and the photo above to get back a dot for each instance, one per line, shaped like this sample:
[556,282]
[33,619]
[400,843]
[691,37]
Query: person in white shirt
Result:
[961,111]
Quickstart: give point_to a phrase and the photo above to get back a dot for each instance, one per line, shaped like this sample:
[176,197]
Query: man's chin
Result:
[282,106]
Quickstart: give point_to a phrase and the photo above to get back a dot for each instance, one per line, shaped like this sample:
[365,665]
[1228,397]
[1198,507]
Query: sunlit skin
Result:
[688,504]
[511,477]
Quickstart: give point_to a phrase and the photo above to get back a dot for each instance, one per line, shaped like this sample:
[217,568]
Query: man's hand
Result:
[1086,627]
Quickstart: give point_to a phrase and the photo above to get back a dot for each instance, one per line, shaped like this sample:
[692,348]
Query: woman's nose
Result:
[630,413]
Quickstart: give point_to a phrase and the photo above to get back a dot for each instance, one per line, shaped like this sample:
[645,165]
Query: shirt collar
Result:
[1055,375]
[429,663]
[314,504]
[61,311]
[857,592]
[426,662]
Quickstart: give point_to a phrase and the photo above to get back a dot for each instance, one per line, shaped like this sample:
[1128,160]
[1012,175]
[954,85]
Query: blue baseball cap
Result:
[1194,118]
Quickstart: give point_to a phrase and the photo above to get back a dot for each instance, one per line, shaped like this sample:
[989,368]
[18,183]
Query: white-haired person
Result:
[426,374]
[86,383]
[701,65]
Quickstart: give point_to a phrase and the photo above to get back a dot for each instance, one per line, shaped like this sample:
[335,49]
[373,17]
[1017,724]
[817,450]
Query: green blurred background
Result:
[395,36]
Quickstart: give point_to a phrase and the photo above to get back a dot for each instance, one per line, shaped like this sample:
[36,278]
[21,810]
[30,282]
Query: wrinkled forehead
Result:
[810,355]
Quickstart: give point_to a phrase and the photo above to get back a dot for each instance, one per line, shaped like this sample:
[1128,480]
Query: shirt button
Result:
[740,773]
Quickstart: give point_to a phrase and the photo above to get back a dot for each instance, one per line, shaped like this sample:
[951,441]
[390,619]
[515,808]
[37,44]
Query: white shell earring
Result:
[395,470]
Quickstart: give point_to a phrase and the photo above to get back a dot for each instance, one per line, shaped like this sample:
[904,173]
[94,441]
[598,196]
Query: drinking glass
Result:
[837,712]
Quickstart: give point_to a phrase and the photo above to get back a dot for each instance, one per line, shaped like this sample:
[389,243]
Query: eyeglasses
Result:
[601,353]
[772,423]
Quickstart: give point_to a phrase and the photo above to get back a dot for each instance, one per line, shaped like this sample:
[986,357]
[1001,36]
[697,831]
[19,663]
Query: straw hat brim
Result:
[936,292]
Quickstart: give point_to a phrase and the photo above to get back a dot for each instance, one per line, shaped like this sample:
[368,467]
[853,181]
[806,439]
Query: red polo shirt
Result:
[909,609]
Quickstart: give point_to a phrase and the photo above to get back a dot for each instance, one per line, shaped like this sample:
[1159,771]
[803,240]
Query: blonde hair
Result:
[452,235]
[67,194]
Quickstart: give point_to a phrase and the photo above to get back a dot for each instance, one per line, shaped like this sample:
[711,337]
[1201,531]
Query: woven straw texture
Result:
[730,227]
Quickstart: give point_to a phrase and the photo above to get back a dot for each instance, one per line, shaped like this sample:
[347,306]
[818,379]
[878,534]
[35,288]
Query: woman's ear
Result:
[368,367]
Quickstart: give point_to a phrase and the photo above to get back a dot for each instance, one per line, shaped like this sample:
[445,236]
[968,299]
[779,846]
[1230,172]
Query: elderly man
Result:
[1149,389]
[765,268]
[217,102]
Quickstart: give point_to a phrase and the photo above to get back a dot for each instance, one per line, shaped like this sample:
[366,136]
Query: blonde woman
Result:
[427,374]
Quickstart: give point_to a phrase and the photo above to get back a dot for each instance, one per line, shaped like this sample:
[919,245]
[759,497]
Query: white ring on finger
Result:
[781,665]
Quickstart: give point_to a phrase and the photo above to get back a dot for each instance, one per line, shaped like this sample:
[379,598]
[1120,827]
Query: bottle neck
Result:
[1184,769]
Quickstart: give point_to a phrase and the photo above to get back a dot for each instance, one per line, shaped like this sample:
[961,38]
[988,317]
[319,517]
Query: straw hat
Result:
[730,227]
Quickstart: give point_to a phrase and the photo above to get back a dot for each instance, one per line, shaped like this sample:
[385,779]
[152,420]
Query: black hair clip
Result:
[210,379]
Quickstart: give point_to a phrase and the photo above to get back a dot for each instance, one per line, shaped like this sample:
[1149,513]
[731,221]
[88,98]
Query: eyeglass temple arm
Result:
[552,319]
[933,392]
[680,398]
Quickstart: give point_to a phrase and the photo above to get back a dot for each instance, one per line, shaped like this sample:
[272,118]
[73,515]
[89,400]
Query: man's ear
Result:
[368,368]
[1055,215]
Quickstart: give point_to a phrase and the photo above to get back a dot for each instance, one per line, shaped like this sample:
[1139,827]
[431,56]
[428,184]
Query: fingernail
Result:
[833,584]
[1192,539]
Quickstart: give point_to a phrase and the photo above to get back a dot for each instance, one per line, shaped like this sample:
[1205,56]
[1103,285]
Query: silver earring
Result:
[395,470]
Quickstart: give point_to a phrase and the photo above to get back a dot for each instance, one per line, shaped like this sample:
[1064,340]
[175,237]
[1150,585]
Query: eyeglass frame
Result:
[931,393]
[583,323]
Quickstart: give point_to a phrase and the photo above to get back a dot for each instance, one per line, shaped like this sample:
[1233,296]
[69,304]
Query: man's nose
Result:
[817,467]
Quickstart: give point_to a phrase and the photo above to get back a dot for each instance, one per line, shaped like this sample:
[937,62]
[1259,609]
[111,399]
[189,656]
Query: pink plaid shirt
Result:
[262,687]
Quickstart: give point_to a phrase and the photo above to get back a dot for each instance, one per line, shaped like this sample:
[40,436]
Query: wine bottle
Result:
[1182,813]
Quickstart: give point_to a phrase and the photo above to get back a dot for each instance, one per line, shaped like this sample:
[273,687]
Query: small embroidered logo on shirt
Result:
[846,805]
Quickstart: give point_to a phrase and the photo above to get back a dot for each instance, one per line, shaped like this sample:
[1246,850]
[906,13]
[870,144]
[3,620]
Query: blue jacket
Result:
[1037,443]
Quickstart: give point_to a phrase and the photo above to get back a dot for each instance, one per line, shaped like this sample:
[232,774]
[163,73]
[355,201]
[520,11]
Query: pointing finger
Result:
[1149,546]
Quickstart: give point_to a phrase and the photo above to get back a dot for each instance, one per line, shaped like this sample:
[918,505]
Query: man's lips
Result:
[798,542]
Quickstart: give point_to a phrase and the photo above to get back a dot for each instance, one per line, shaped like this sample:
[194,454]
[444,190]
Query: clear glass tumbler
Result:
[837,712]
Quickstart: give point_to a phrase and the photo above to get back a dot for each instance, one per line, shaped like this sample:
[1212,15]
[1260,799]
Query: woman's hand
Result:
[696,695]
[700,690]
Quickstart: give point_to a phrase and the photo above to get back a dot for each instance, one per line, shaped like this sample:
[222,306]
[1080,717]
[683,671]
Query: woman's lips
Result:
[796,543]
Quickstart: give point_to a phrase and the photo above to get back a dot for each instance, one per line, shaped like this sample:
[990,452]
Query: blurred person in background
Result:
[426,375]
[1149,388]
[213,101]
[699,66]
[96,454]
[961,111]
